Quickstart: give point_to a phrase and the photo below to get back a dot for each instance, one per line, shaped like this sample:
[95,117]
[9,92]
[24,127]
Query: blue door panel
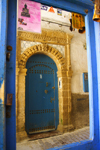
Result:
[41,107]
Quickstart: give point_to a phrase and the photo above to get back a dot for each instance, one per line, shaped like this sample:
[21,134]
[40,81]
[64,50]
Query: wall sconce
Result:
[96,16]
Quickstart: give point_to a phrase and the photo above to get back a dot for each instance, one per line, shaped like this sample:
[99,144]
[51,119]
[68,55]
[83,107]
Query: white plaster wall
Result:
[78,52]
[53,16]
[78,62]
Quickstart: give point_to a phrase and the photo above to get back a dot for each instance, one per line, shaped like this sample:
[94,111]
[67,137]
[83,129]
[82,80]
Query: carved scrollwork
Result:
[49,36]
[47,43]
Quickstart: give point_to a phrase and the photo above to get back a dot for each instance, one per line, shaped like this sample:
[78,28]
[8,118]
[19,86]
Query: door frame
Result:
[93,48]
[63,63]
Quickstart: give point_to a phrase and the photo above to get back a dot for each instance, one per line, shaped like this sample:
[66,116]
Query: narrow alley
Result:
[54,141]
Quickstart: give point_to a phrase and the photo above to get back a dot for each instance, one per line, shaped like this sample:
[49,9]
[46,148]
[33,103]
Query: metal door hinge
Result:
[8,105]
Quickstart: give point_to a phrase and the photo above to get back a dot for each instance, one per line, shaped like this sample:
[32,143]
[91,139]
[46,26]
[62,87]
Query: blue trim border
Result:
[3,38]
[94,77]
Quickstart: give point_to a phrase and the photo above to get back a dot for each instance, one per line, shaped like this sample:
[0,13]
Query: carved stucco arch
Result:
[46,50]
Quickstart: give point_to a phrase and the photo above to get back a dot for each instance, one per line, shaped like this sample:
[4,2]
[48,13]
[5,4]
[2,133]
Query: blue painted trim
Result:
[93,82]
[92,75]
[90,79]
[3,32]
[97,42]
[3,29]
[87,4]
[83,2]
[10,75]
[65,5]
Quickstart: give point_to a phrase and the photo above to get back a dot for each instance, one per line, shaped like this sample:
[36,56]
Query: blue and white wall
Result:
[78,51]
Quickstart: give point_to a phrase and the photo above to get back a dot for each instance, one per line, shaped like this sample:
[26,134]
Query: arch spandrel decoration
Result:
[64,73]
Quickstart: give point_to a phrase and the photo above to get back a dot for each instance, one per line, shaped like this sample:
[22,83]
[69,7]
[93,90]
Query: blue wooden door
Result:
[41,94]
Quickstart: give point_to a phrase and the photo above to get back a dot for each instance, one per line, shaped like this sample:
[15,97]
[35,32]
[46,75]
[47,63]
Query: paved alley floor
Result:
[54,141]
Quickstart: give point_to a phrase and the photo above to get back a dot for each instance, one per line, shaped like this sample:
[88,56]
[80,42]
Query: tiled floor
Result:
[55,141]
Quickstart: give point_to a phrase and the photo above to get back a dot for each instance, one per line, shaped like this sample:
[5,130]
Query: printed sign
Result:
[59,12]
[43,7]
[51,10]
[29,16]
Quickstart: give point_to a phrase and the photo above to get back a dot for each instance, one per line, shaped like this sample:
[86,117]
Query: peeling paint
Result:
[3,42]
[1,80]
[2,93]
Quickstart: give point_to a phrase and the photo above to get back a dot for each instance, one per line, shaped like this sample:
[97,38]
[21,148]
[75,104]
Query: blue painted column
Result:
[3,28]
[92,73]
[97,42]
[93,80]
[11,75]
[93,65]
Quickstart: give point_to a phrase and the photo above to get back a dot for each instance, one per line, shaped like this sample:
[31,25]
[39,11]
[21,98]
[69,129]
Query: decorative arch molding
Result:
[46,50]
[64,74]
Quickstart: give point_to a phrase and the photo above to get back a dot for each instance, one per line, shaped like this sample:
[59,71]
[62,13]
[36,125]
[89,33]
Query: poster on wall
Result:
[43,7]
[51,10]
[29,16]
[59,12]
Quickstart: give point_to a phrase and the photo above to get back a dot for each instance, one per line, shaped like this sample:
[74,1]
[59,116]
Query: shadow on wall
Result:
[80,110]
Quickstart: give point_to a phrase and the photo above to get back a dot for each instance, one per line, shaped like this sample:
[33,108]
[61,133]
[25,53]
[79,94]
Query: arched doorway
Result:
[64,74]
[41,100]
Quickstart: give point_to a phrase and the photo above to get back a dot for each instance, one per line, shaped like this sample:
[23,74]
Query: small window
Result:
[85,82]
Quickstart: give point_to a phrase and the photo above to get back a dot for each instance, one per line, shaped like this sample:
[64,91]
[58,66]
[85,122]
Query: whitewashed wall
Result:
[78,52]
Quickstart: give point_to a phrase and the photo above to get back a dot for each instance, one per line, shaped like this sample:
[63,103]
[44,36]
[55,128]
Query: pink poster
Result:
[29,16]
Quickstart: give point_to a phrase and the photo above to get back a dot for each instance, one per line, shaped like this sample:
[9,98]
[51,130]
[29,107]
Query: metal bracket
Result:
[52,99]
[8,105]
[9,99]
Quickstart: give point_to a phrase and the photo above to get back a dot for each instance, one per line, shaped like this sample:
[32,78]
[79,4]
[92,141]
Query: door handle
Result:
[46,91]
